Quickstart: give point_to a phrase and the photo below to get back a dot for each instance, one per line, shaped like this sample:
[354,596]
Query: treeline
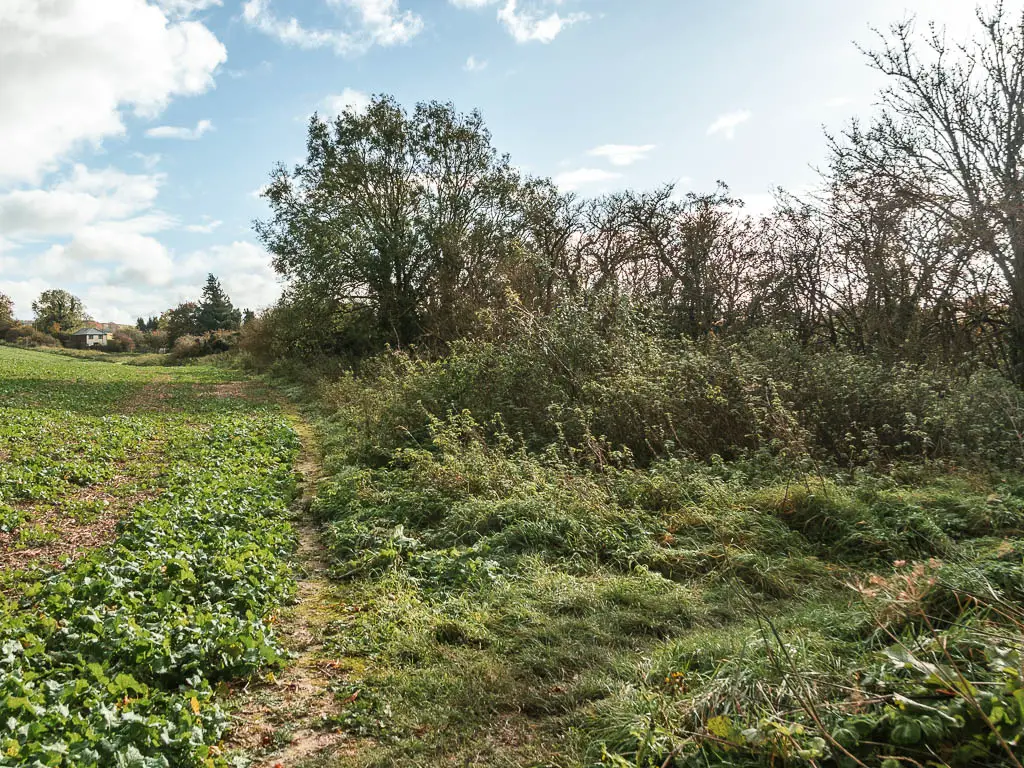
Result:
[191,329]
[410,228]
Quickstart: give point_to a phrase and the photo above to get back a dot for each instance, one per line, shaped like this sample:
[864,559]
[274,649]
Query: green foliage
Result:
[182,320]
[215,310]
[211,343]
[648,552]
[600,385]
[28,336]
[6,311]
[112,660]
[58,310]
[413,213]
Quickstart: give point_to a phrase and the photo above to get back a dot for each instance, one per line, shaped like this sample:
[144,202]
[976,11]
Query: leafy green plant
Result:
[113,660]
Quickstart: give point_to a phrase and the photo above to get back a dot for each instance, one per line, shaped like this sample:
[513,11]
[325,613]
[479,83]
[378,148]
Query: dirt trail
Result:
[281,721]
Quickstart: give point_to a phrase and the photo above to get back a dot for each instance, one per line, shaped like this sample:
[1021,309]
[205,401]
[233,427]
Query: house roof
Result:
[89,332]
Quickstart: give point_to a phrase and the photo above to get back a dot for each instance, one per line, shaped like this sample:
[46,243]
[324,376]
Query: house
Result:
[89,337]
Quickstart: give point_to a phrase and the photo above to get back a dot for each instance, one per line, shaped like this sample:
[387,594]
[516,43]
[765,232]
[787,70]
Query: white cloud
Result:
[206,228]
[622,154]
[374,22]
[68,69]
[125,256]
[527,26]
[180,132]
[726,124]
[185,8]
[348,99]
[23,290]
[149,161]
[473,64]
[80,199]
[582,177]
[103,222]
[244,271]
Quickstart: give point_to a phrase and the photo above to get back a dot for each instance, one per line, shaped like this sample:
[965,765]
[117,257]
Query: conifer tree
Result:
[216,312]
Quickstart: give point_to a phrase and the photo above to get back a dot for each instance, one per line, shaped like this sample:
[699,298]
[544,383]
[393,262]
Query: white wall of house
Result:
[98,339]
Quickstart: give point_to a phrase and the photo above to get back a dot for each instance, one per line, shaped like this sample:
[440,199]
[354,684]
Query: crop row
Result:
[113,661]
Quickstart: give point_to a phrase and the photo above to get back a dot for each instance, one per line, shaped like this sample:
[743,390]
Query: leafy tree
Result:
[58,310]
[183,320]
[6,311]
[412,214]
[215,310]
[147,325]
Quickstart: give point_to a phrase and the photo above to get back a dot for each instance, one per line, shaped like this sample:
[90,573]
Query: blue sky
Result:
[137,133]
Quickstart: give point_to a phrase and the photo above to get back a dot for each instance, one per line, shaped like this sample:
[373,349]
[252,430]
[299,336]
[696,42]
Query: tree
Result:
[6,311]
[215,310]
[183,320]
[950,138]
[412,214]
[147,325]
[58,310]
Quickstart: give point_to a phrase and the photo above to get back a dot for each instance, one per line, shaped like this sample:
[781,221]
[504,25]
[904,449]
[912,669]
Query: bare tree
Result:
[950,137]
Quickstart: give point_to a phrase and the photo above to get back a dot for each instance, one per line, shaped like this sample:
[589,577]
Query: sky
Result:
[135,135]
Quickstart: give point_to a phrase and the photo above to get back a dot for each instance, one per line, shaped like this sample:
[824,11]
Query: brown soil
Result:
[283,719]
[151,397]
[241,389]
[71,538]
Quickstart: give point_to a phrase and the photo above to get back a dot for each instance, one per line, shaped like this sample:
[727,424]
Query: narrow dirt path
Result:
[284,720]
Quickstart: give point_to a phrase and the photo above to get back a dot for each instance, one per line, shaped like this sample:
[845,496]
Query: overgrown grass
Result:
[526,590]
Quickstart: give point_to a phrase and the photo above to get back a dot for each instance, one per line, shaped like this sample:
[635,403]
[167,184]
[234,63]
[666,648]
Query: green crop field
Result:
[143,544]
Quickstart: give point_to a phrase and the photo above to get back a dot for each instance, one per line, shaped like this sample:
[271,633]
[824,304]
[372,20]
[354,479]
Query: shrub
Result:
[188,346]
[27,336]
[304,329]
[120,342]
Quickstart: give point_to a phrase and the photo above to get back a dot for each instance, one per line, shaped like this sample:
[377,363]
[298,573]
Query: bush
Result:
[120,342]
[214,342]
[302,329]
[600,387]
[27,336]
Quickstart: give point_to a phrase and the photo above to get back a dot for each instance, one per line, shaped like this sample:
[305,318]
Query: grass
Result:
[508,607]
[488,603]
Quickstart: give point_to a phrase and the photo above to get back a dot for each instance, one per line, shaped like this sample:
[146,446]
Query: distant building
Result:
[89,337]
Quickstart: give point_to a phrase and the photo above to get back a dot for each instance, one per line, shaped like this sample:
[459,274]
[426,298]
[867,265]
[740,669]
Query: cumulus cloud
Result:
[527,25]
[243,268]
[94,231]
[726,124]
[372,22]
[473,64]
[622,154]
[349,99]
[83,197]
[582,177]
[68,69]
[180,132]
[121,274]
[185,8]
[208,227]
